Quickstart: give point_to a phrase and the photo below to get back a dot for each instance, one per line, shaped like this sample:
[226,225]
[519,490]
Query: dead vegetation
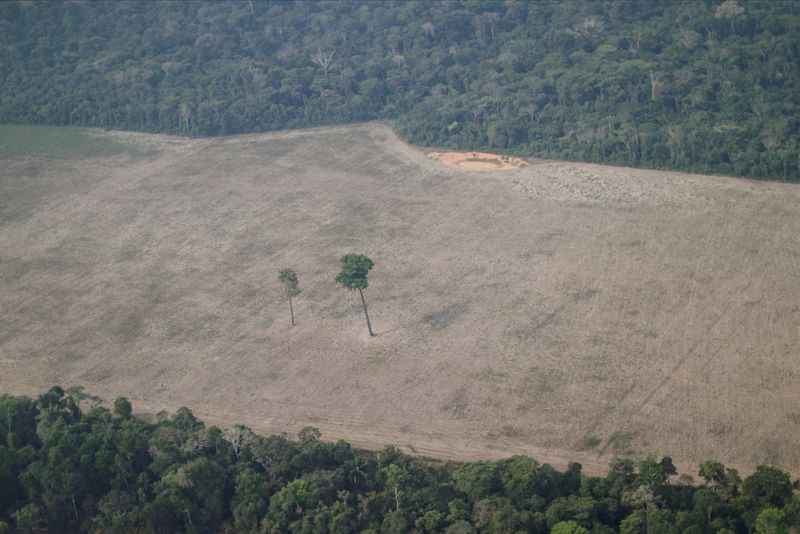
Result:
[560,310]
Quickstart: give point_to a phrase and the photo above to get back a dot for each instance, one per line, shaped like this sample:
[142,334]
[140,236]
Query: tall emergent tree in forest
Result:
[289,279]
[355,268]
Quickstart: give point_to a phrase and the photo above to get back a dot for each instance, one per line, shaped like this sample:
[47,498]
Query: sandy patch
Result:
[479,161]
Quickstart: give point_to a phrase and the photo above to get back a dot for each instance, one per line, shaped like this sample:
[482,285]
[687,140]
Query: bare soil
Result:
[480,161]
[562,310]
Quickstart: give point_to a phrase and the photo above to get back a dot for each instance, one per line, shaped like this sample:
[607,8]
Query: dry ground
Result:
[478,160]
[563,310]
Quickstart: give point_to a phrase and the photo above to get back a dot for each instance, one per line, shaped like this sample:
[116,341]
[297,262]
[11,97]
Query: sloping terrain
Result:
[563,310]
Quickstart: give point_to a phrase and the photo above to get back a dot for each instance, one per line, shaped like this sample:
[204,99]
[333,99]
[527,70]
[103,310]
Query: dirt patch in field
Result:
[561,310]
[478,161]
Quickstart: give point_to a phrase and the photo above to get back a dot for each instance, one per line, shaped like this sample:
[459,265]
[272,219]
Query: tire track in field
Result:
[682,361]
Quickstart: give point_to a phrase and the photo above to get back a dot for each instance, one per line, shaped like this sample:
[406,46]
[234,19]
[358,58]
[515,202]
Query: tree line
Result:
[706,86]
[68,469]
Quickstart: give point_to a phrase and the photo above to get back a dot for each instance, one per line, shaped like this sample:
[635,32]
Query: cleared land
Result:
[563,310]
[481,161]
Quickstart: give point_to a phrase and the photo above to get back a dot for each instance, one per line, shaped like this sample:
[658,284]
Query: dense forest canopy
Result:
[64,469]
[708,86]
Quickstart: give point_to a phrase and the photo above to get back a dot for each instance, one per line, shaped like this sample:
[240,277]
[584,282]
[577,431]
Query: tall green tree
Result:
[355,268]
[289,279]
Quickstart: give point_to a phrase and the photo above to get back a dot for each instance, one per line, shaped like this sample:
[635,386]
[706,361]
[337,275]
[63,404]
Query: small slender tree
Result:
[355,268]
[396,477]
[289,279]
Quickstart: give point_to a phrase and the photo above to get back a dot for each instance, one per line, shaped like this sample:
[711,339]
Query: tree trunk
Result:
[364,302]
[291,310]
[189,519]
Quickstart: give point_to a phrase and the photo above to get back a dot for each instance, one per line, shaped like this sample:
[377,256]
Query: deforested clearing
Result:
[561,310]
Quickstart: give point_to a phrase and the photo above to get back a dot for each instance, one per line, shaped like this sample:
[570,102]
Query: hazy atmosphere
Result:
[399,267]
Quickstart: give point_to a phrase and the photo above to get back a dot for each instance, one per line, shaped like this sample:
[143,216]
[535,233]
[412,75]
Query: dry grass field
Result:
[562,310]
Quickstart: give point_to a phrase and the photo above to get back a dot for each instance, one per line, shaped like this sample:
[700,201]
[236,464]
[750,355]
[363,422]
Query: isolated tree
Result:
[289,279]
[355,268]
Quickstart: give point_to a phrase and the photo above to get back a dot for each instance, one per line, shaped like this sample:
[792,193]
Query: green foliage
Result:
[771,521]
[353,275]
[661,522]
[651,472]
[700,86]
[95,471]
[633,524]
[355,268]
[12,462]
[122,408]
[713,473]
[568,527]
[768,486]
[479,480]
[396,480]
[250,500]
[574,509]
[289,278]
[17,421]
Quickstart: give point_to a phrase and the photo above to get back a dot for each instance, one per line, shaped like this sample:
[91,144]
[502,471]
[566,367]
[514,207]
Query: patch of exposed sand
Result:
[479,161]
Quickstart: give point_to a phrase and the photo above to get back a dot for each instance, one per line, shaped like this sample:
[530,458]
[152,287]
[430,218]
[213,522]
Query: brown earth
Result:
[481,161]
[561,310]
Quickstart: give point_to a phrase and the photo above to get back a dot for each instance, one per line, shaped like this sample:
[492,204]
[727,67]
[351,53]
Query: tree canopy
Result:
[707,86]
[289,279]
[355,268]
[292,286]
[69,470]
